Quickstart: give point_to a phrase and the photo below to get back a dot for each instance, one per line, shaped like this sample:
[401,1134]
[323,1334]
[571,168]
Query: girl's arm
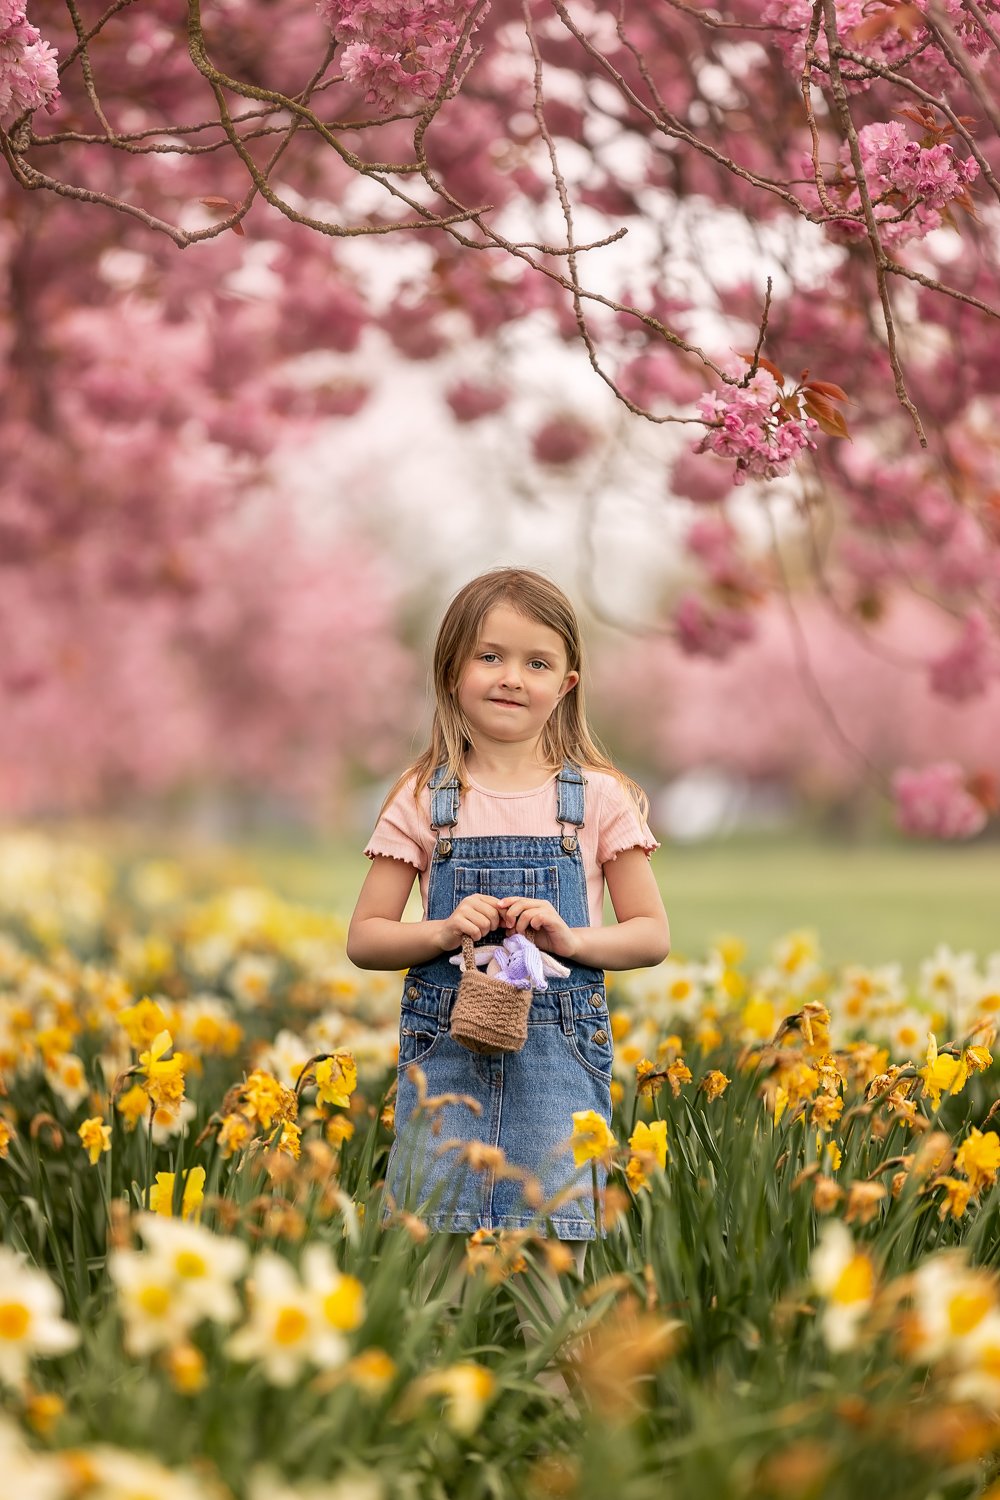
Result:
[639,940]
[377,937]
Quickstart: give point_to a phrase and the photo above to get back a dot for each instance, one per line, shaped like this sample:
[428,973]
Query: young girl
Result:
[514,819]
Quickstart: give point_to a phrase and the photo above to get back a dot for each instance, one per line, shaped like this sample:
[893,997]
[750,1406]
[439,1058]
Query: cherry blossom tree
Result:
[768,225]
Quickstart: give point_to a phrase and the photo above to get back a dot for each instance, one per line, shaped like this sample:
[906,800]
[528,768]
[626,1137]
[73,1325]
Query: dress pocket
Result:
[418,1038]
[537,883]
[591,1045]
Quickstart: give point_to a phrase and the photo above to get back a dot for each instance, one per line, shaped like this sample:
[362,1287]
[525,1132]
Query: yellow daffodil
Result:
[142,1022]
[133,1105]
[336,1079]
[956,1196]
[95,1137]
[942,1073]
[267,1100]
[651,1140]
[979,1158]
[161,1197]
[591,1137]
[164,1082]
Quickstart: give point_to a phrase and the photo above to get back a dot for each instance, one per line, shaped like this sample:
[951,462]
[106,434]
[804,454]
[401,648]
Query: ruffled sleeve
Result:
[621,826]
[403,831]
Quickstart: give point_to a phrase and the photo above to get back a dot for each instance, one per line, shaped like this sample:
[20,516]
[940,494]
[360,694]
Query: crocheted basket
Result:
[489,1015]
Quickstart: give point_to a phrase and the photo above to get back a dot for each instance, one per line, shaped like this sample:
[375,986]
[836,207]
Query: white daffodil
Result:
[285,1057]
[339,1304]
[845,1279]
[947,979]
[170,1120]
[951,1300]
[906,1034]
[978,1360]
[150,1301]
[134,1476]
[201,1266]
[281,1330]
[28,1475]
[67,1079]
[31,1323]
[250,979]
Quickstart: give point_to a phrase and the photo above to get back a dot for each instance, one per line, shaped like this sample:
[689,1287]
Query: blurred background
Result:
[239,484]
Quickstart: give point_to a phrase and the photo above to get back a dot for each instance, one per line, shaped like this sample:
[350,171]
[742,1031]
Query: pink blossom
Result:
[471,399]
[562,440]
[28,65]
[749,426]
[965,670]
[934,802]
[709,630]
[398,51]
[698,478]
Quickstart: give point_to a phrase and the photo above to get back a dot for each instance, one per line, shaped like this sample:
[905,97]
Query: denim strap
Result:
[444,799]
[570,795]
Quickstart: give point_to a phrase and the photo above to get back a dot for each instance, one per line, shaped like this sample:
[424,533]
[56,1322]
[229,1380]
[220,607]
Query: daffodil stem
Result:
[597,1199]
[149,1155]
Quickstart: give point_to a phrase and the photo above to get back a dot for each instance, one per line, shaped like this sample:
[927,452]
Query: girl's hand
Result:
[473,917]
[540,918]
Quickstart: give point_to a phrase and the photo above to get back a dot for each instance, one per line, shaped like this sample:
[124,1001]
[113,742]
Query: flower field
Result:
[796,1293]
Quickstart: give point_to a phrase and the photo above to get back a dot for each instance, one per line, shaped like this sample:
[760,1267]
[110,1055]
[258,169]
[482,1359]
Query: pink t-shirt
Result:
[612,823]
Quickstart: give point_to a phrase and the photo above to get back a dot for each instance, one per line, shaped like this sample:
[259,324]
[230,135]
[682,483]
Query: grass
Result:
[870,903]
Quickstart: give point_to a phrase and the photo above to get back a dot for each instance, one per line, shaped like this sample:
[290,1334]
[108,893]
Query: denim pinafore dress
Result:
[526,1099]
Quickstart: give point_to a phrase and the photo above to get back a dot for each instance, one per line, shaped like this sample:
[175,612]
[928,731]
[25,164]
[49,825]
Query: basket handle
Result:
[468,954]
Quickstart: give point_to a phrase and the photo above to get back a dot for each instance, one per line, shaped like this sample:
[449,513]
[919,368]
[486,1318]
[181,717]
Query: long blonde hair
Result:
[566,735]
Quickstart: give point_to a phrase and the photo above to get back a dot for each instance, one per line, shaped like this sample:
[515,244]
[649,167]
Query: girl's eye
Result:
[537,663]
[489,656]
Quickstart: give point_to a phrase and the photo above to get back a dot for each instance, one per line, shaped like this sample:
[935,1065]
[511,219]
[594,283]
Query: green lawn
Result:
[869,904]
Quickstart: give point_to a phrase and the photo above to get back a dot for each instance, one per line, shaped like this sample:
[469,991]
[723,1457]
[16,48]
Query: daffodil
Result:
[201,1267]
[336,1079]
[280,1332]
[30,1317]
[266,1100]
[845,1278]
[942,1073]
[133,1105]
[950,1300]
[161,1195]
[651,1140]
[142,1022]
[164,1080]
[467,1388]
[95,1137]
[979,1158]
[591,1137]
[714,1084]
[339,1304]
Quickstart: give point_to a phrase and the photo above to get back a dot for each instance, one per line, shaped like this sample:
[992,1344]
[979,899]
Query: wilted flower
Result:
[336,1078]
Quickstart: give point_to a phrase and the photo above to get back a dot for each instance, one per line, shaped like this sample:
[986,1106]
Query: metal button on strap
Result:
[443,848]
[412,993]
[597,1001]
[569,844]
[601,1036]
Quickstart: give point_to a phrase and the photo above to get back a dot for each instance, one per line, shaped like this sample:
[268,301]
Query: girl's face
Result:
[517,674]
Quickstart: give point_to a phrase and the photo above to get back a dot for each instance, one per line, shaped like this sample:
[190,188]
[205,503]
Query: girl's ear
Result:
[569,683]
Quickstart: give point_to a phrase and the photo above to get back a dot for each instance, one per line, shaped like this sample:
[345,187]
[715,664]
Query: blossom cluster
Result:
[398,51]
[936,802]
[749,424]
[890,36]
[910,185]
[28,76]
